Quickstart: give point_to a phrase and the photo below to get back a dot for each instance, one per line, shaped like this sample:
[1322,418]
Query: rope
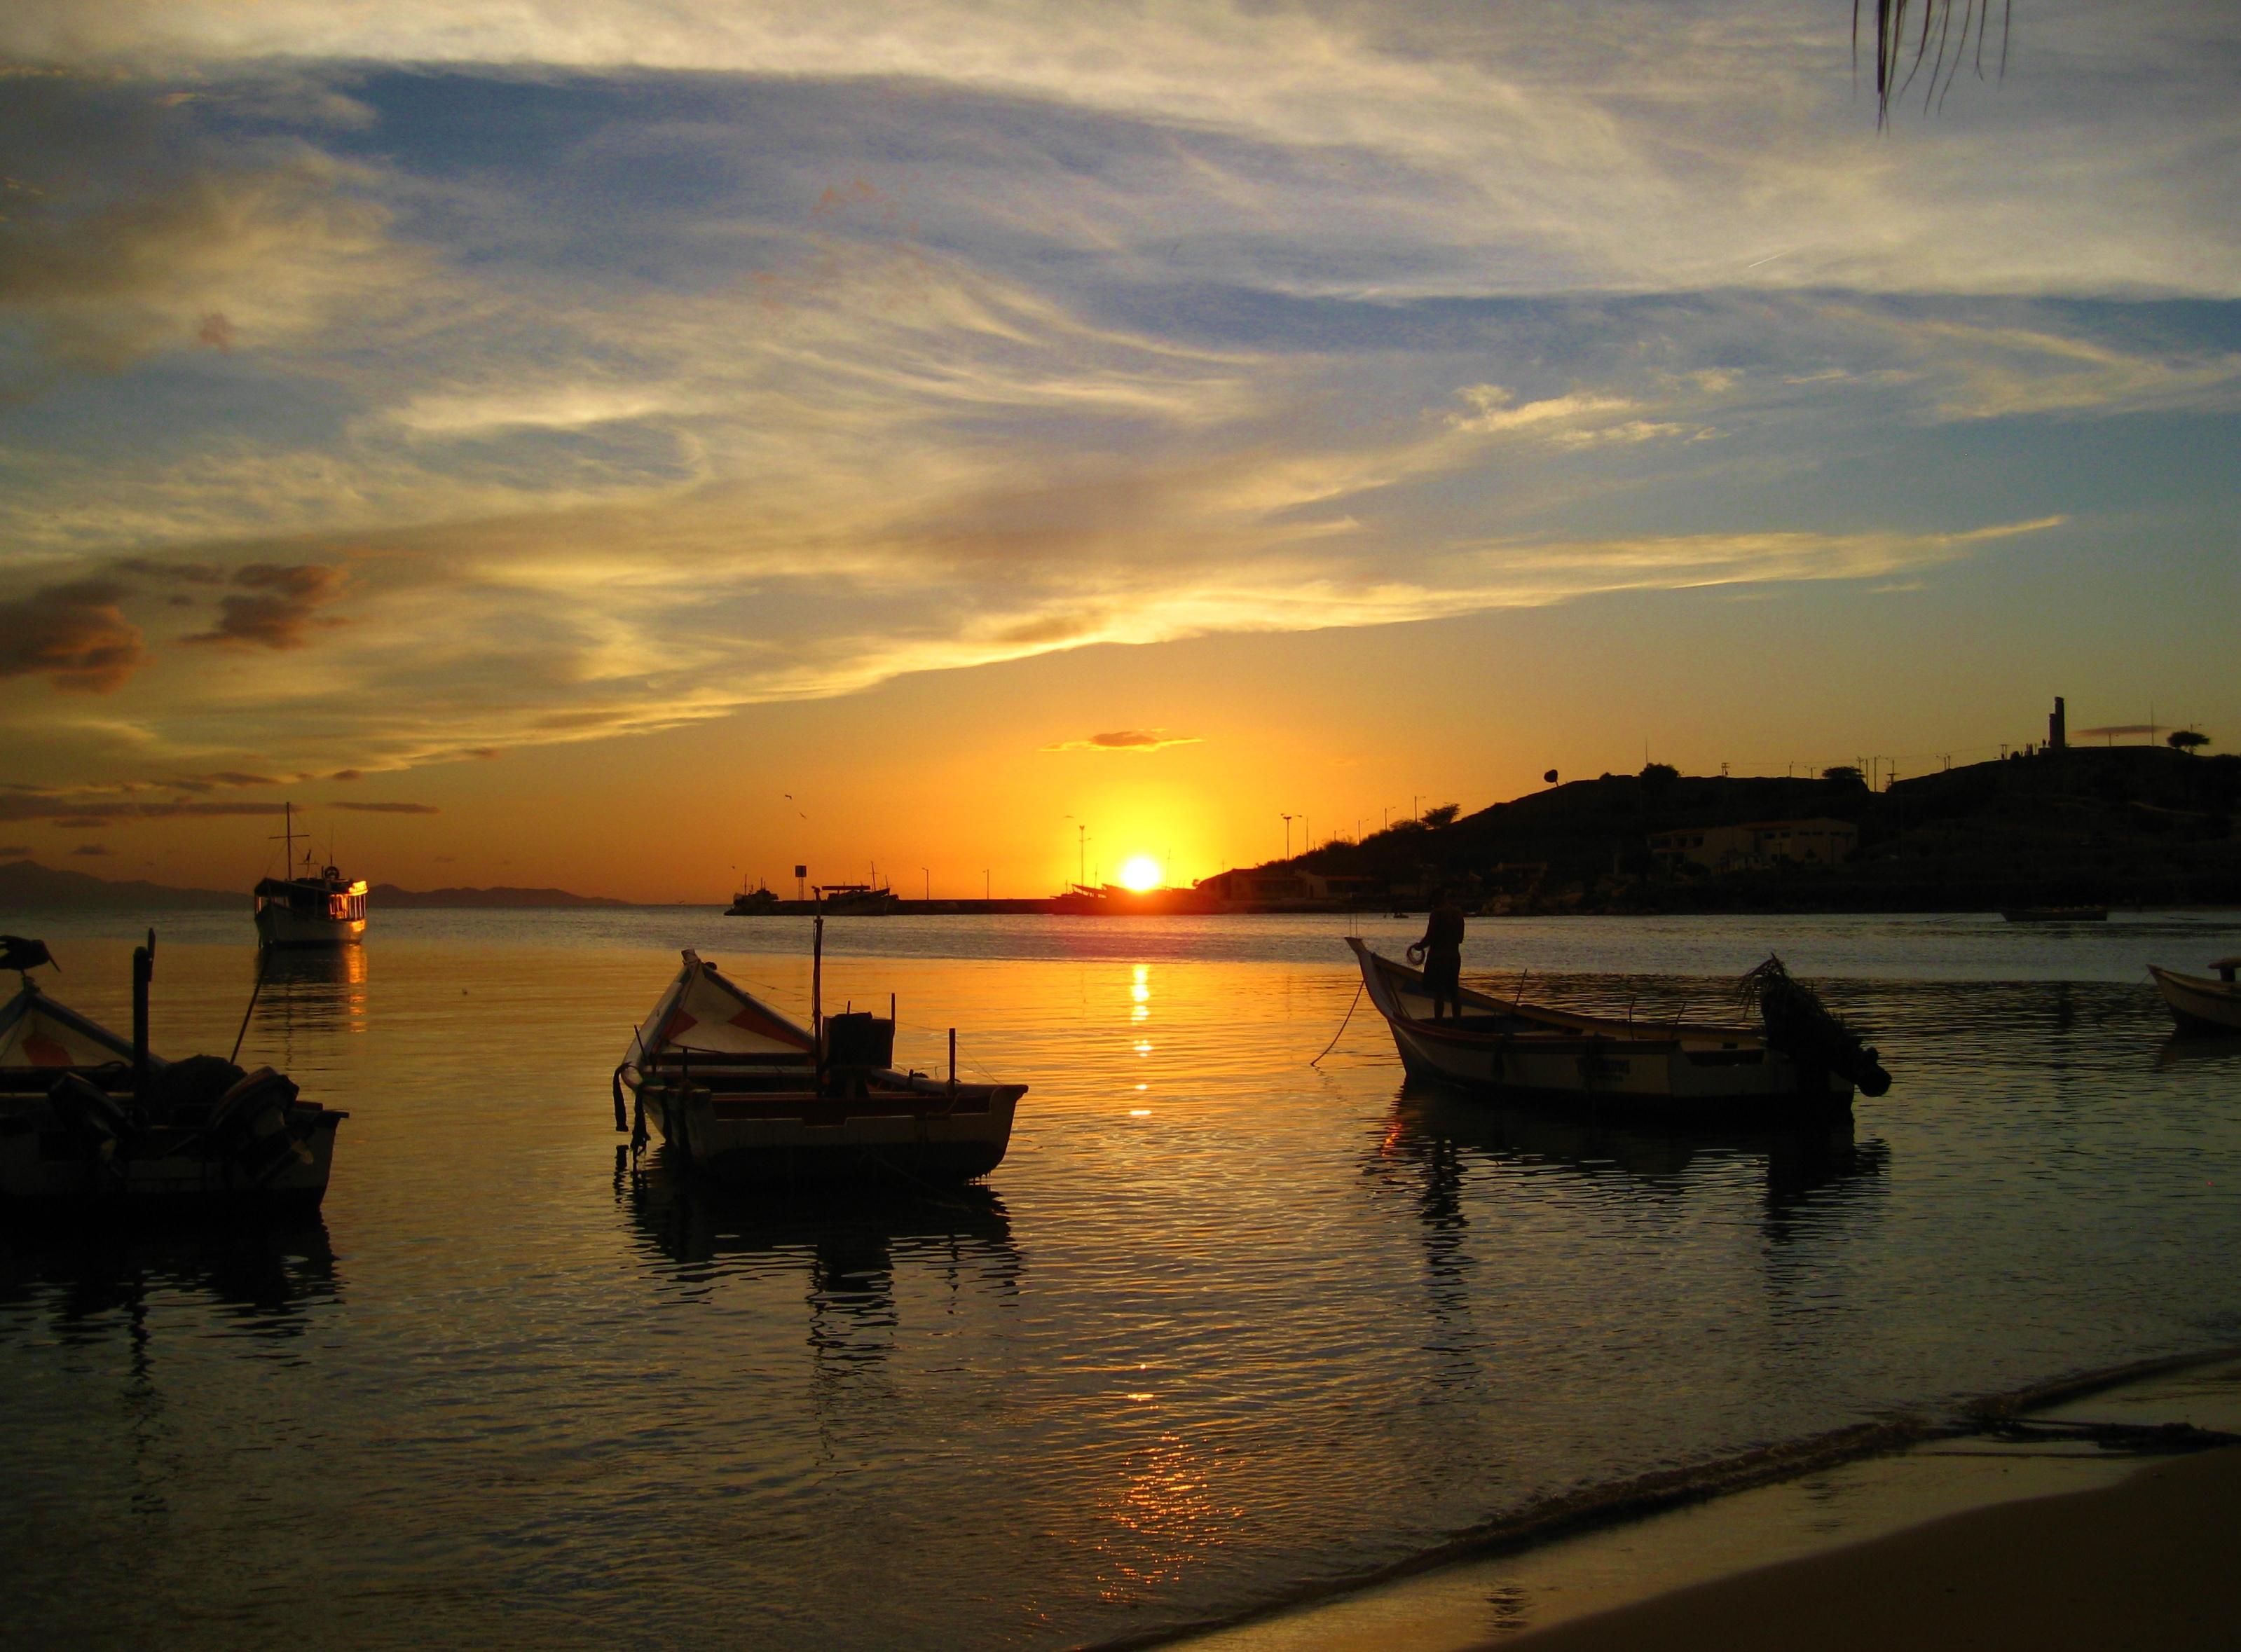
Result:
[1341,1033]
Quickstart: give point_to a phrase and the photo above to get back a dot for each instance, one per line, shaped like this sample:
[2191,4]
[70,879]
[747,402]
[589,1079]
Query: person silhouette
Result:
[1441,951]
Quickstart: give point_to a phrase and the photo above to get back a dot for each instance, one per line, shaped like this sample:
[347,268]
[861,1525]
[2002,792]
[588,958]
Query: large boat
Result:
[320,908]
[1801,1064]
[2200,1004]
[97,1124]
[744,1091]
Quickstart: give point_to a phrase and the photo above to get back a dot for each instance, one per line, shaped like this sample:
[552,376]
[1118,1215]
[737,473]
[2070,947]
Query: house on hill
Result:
[1755,846]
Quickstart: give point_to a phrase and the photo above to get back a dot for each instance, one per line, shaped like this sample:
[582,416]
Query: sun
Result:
[1140,873]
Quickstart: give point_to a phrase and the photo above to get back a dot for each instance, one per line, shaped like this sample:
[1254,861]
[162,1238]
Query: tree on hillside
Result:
[1844,774]
[1443,816]
[2187,740]
[1655,777]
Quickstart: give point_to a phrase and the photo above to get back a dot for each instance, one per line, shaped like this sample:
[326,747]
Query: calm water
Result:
[1221,1326]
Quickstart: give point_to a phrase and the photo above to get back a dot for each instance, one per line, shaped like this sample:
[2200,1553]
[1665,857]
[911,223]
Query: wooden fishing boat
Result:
[746,1093]
[2200,1004]
[93,1123]
[320,908]
[1802,1064]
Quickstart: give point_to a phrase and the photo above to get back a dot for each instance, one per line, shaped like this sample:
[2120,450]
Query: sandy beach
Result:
[2149,1561]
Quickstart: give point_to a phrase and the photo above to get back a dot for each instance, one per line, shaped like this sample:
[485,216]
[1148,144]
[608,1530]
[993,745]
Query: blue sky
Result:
[383,389]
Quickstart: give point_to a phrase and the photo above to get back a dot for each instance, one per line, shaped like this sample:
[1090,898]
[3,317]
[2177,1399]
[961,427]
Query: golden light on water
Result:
[1140,873]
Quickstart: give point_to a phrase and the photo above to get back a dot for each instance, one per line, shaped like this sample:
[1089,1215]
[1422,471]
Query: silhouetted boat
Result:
[2055,914]
[321,909]
[746,1093]
[92,1122]
[1801,1065]
[2199,1004]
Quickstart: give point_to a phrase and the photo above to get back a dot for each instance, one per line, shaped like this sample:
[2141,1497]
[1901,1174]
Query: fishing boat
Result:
[742,1091]
[94,1123]
[2200,1004]
[1800,1064]
[320,908]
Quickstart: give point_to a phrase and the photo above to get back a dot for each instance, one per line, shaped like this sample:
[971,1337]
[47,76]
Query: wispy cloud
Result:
[1126,739]
[72,633]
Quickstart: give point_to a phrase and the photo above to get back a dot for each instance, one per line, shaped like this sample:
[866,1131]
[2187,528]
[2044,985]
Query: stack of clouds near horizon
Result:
[380,388]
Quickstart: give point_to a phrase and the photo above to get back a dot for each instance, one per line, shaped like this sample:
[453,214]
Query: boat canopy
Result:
[703,1013]
[36,1032]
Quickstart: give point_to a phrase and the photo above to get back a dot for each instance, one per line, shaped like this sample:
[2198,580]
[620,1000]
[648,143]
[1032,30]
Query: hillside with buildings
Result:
[2116,825]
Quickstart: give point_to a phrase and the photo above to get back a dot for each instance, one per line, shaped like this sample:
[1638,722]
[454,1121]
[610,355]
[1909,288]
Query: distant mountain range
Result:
[26,884]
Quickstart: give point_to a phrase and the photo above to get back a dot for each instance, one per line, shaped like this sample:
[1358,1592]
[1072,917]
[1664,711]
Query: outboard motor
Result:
[249,1124]
[1799,1026]
[856,1046]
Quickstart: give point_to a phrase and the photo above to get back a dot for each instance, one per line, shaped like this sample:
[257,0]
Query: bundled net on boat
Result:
[1802,1028]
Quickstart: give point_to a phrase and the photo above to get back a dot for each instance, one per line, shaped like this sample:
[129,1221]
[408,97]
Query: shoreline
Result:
[1635,1543]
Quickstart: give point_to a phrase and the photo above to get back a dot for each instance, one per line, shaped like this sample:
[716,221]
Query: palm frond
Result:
[1904,30]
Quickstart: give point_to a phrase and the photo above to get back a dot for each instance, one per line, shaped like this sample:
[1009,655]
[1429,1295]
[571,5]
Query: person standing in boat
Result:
[1441,951]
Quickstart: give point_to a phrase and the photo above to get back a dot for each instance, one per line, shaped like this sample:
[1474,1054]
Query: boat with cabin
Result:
[1800,1064]
[2203,1003]
[743,1091]
[321,908]
[96,1124]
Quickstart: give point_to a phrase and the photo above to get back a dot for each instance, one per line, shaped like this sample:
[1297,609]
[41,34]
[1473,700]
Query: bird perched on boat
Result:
[18,953]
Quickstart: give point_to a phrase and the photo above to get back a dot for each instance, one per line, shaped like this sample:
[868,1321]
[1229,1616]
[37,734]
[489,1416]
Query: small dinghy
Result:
[93,1122]
[745,1093]
[2199,1004]
[1801,1064]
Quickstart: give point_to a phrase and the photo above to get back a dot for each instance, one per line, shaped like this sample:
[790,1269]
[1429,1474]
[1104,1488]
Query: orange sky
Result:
[539,446]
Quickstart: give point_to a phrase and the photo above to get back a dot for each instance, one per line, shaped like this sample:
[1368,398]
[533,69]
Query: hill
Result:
[27,885]
[388,895]
[2105,824]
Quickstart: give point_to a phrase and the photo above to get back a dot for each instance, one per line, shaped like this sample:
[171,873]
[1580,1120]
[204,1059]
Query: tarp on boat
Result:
[36,1032]
[704,1013]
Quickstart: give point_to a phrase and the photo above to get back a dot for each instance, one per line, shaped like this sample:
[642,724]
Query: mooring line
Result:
[1341,1033]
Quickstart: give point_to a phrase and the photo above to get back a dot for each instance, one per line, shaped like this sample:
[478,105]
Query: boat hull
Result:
[912,1128]
[1591,1065]
[41,1173]
[2198,1003]
[280,926]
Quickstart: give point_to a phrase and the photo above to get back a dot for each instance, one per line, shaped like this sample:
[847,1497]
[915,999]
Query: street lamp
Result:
[1288,836]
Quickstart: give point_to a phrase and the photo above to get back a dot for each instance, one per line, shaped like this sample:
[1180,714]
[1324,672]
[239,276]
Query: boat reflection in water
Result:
[851,1247]
[261,1280]
[1440,1129]
[312,990]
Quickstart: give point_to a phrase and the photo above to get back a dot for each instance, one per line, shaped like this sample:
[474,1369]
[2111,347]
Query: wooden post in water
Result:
[143,970]
[817,992]
[952,1066]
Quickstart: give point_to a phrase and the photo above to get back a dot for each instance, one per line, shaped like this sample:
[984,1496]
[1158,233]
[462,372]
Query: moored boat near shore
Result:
[94,1124]
[746,1093]
[312,909]
[2200,1004]
[1801,1064]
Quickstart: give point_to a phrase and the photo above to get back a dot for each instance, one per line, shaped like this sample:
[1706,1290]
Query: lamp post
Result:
[1288,836]
[929,883]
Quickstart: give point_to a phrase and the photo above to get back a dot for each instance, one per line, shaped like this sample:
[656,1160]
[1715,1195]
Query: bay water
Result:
[1225,1325]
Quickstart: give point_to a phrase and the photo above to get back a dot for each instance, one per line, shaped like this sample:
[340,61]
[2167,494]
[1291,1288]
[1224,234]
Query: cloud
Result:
[387,808]
[91,849]
[73,634]
[1127,739]
[15,850]
[280,609]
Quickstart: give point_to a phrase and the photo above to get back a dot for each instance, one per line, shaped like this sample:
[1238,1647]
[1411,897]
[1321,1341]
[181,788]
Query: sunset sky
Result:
[636,446]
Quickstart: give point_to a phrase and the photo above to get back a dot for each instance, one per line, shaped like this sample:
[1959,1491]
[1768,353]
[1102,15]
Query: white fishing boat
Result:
[94,1124]
[321,908]
[744,1091]
[2200,1004]
[1801,1064]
